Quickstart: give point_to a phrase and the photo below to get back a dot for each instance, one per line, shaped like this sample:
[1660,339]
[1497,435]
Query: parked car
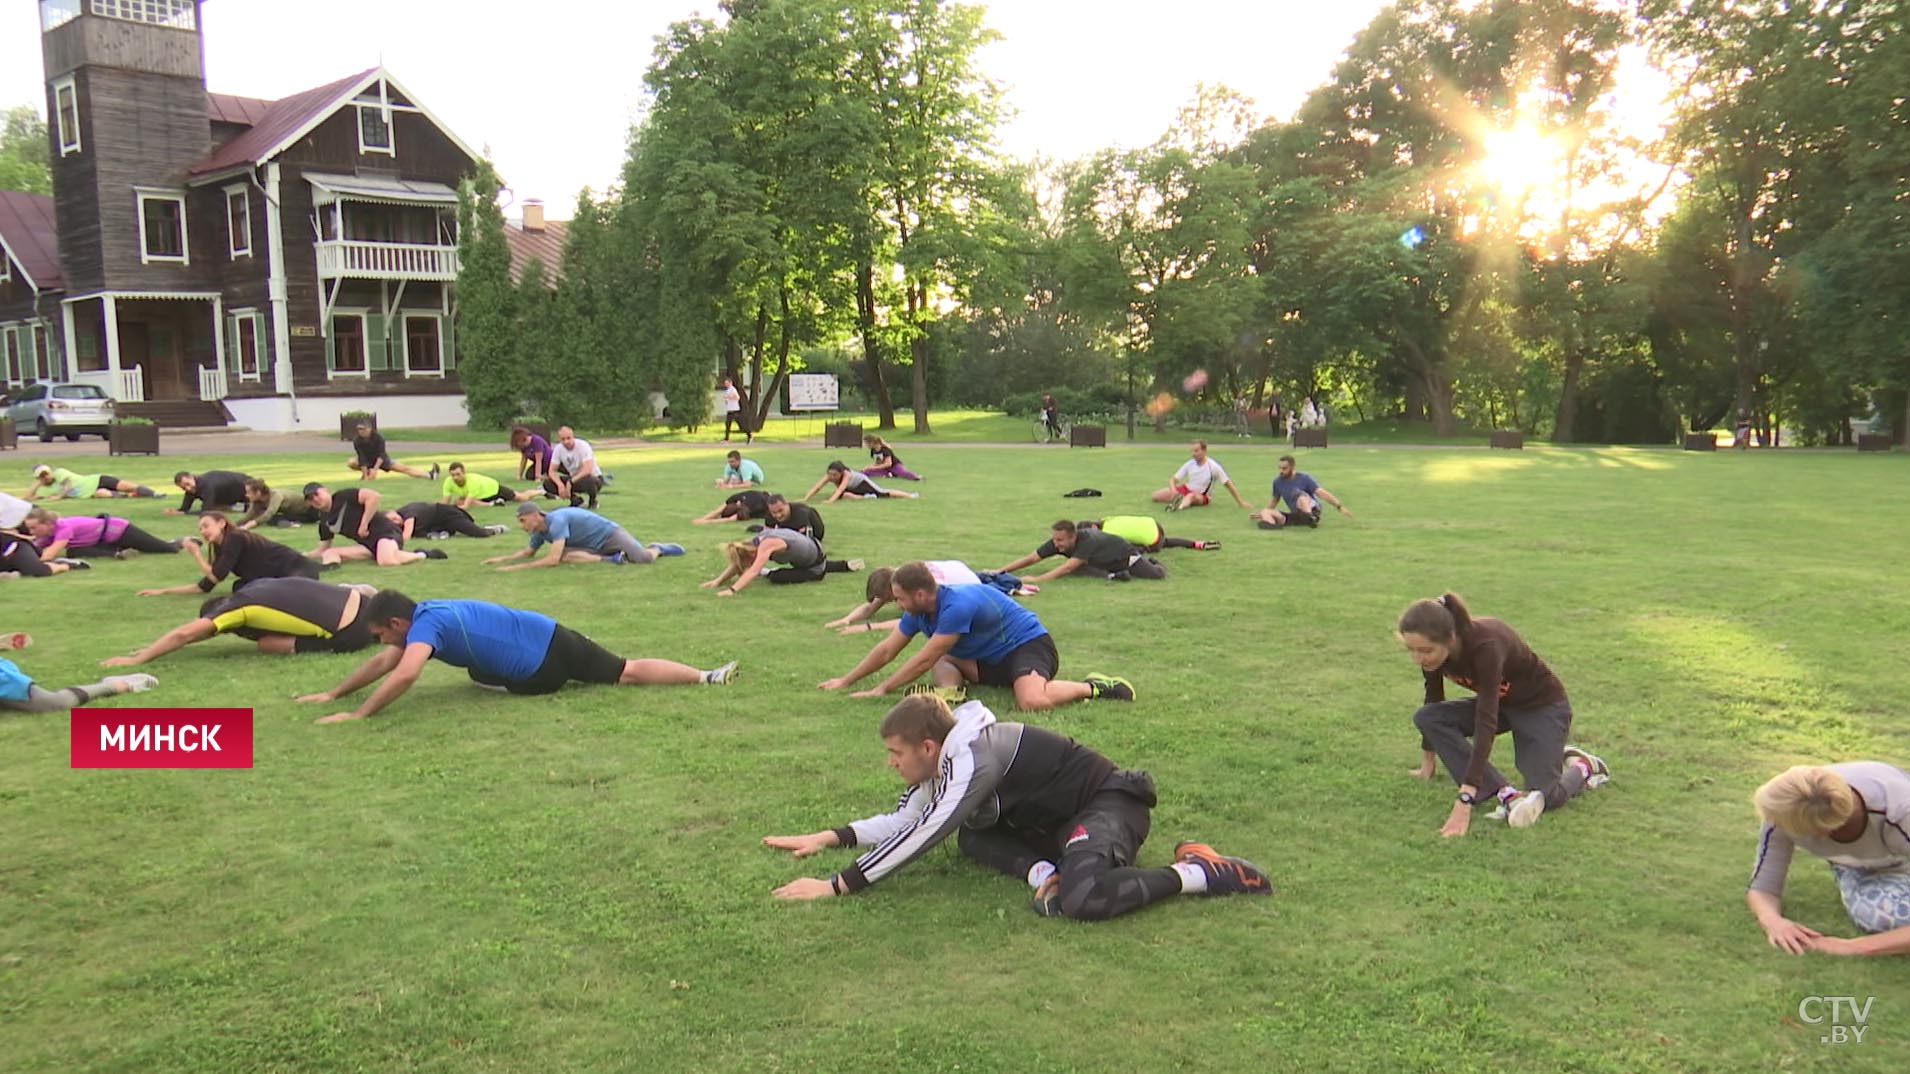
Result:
[67,410]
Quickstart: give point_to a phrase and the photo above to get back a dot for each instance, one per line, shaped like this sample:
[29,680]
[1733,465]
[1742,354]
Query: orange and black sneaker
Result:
[1225,875]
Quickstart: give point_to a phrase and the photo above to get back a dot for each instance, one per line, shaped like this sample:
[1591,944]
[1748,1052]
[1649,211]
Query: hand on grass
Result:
[119,662]
[337,717]
[805,889]
[1829,945]
[1789,936]
[151,593]
[802,845]
[874,691]
[1458,821]
[318,697]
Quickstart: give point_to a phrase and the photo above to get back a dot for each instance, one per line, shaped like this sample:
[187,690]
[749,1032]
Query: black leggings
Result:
[134,538]
[1098,876]
[797,575]
[18,554]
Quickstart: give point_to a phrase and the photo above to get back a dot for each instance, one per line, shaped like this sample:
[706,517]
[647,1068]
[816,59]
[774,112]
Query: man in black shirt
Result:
[1028,802]
[354,514]
[440,520]
[1100,552]
[371,457]
[742,507]
[283,615]
[218,490]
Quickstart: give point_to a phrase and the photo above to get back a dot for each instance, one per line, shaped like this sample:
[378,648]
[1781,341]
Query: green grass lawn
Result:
[575,884]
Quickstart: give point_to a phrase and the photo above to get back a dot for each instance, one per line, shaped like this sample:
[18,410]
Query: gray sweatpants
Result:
[43,700]
[632,549]
[1538,746]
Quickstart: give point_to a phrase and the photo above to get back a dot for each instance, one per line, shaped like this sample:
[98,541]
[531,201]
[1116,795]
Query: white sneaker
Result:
[1526,810]
[1498,812]
[132,684]
[497,529]
[722,675]
[1601,772]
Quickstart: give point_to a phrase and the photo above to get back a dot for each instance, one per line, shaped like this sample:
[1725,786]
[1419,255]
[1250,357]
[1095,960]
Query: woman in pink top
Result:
[89,536]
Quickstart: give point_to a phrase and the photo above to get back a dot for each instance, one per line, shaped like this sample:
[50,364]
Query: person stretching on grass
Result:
[1193,483]
[745,506]
[500,648]
[371,457]
[854,485]
[578,535]
[354,513]
[1856,816]
[976,633]
[465,490]
[886,463]
[1102,553]
[1516,691]
[244,555]
[268,506]
[218,490]
[1301,495]
[1022,800]
[438,521]
[283,615]
[880,591]
[1143,533]
[19,693]
[91,537]
[740,473]
[801,555]
[65,484]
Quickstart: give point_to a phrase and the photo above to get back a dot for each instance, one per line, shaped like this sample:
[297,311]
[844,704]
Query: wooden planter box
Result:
[1509,440]
[1309,438]
[123,439]
[1087,436]
[842,434]
[1865,441]
[1701,442]
[9,436]
[348,425]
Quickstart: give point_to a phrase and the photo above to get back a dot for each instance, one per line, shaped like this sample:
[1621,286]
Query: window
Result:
[238,221]
[423,353]
[374,129]
[348,343]
[245,343]
[57,13]
[162,226]
[176,14]
[66,106]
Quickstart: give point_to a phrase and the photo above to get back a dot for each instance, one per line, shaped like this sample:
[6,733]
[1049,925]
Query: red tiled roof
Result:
[279,121]
[26,223]
[231,108]
[546,246]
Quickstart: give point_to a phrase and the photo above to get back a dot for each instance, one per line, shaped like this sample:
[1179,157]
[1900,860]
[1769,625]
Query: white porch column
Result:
[275,256]
[109,325]
[69,355]
[218,334]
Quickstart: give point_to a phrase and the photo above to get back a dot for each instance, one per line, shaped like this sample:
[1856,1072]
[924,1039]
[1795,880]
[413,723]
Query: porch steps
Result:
[179,413]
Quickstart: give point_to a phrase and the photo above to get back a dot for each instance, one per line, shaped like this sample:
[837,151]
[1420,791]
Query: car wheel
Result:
[45,434]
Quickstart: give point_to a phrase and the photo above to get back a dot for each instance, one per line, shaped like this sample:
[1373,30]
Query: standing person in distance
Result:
[733,415]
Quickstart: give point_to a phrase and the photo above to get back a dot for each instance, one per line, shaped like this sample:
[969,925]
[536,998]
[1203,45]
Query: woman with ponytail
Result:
[1515,691]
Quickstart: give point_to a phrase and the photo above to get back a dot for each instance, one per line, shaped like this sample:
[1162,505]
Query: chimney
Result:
[533,214]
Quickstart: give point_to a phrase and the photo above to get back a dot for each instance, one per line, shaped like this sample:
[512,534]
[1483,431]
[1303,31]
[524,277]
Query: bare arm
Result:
[877,658]
[763,551]
[842,486]
[552,557]
[912,669]
[364,674]
[409,664]
[171,641]
[1028,560]
[1069,566]
[1783,933]
[368,500]
[53,551]
[171,590]
[1334,500]
[815,488]
[861,611]
[1236,495]
[1894,942]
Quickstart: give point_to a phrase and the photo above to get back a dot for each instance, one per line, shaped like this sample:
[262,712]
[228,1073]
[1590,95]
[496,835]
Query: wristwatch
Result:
[1468,798]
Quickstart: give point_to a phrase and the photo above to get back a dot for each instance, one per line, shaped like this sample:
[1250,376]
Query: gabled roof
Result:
[288,119]
[231,108]
[546,246]
[31,238]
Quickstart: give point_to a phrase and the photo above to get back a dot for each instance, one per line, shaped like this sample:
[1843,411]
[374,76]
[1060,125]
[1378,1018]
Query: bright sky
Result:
[552,91]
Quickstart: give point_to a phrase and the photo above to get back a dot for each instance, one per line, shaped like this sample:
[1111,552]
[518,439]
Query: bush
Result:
[1097,405]
[132,421]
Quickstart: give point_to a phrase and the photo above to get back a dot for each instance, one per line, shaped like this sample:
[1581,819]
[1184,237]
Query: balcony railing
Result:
[386,260]
[212,384]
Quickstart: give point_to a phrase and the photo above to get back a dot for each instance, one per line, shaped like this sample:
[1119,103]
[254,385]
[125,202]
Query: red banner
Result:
[162,738]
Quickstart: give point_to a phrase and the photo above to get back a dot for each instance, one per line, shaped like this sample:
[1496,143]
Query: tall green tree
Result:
[25,152]
[495,368]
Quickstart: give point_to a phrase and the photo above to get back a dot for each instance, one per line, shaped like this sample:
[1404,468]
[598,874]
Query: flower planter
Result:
[1865,442]
[1309,438]
[842,434]
[9,436]
[1509,440]
[125,439]
[1701,442]
[1088,436]
[348,424]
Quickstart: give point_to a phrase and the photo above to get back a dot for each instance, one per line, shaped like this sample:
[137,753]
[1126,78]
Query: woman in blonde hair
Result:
[1856,816]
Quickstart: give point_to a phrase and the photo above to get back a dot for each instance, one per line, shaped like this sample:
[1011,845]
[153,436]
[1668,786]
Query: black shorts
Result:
[1037,657]
[381,530]
[571,657]
[382,462]
[108,481]
[355,636]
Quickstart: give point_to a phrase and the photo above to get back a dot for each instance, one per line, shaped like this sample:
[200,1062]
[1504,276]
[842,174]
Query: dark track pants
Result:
[1538,732]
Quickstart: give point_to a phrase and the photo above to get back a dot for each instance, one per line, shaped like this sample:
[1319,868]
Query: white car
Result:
[62,409]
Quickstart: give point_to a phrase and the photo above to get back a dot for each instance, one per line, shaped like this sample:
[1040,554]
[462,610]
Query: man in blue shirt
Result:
[975,634]
[1301,496]
[500,648]
[740,473]
[578,535]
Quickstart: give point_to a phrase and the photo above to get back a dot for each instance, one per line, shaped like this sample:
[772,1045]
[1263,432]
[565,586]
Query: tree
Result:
[495,369]
[25,153]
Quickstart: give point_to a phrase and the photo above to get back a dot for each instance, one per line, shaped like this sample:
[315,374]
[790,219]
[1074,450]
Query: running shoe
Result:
[497,529]
[435,553]
[1110,688]
[618,558]
[434,471]
[721,676]
[668,548]
[1047,900]
[856,564]
[15,641]
[1225,875]
[1601,773]
[953,695]
[1120,576]
[130,553]
[1526,810]
[132,684]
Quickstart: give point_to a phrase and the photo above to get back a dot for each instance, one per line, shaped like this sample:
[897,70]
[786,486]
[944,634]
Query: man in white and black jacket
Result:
[1024,800]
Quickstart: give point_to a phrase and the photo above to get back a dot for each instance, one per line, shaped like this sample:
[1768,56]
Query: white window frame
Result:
[41,355]
[239,317]
[363,313]
[404,334]
[16,362]
[174,14]
[69,139]
[390,148]
[146,194]
[6,266]
[239,191]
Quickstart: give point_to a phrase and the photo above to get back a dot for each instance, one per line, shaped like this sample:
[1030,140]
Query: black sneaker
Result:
[327,567]
[434,471]
[1210,546]
[434,553]
[1110,688]
[1225,875]
[74,564]
[1120,576]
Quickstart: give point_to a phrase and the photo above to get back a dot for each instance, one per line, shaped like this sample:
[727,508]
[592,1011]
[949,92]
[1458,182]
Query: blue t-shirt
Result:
[576,527]
[748,471]
[991,625]
[1290,488]
[505,643]
[13,682]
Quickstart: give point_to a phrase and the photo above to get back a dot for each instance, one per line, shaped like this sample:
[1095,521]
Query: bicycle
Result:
[1044,435]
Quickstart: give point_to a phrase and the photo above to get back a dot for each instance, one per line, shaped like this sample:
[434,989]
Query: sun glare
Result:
[1518,160]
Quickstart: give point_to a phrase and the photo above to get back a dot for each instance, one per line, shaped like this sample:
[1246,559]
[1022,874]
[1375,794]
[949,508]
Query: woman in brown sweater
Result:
[1514,691]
